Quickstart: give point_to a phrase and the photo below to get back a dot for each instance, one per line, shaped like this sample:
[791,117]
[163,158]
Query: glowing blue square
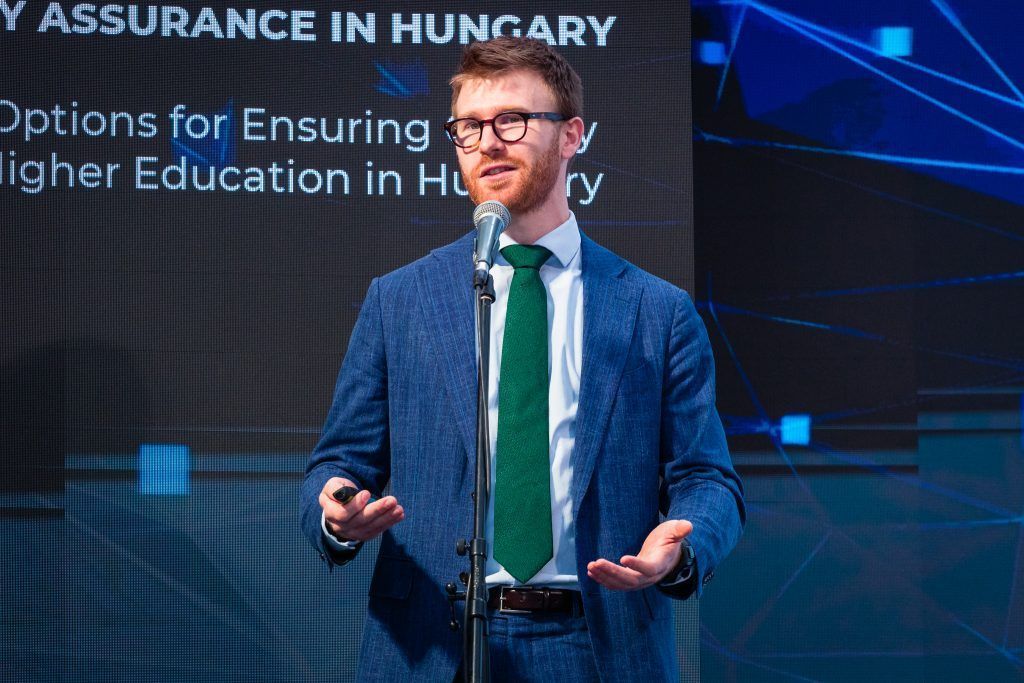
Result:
[711,52]
[163,469]
[894,41]
[796,429]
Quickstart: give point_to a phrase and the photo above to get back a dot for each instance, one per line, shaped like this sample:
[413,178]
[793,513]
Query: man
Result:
[599,419]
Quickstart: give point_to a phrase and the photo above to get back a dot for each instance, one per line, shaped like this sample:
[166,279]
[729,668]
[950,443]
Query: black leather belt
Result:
[526,599]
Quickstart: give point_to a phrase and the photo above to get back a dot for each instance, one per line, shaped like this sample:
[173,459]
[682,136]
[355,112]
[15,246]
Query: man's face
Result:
[521,175]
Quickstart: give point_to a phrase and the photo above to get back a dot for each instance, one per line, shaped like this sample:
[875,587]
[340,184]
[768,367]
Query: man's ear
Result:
[572,137]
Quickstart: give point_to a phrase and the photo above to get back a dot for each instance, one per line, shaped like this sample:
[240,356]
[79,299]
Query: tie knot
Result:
[526,256]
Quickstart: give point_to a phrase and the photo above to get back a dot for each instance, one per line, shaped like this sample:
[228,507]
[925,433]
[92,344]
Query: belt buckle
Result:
[501,601]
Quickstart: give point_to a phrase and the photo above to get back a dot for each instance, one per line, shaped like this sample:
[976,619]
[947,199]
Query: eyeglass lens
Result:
[509,127]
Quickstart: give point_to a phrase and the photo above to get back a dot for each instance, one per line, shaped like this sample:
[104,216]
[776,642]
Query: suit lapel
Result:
[447,302]
[610,303]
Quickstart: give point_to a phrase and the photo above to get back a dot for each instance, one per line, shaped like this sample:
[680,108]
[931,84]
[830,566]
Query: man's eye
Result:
[508,120]
[470,126]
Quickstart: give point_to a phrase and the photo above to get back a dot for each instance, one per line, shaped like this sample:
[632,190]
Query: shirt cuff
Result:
[333,541]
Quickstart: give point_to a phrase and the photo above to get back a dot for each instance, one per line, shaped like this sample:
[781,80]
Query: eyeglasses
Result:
[509,126]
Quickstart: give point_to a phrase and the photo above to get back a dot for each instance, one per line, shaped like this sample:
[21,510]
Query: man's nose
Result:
[489,141]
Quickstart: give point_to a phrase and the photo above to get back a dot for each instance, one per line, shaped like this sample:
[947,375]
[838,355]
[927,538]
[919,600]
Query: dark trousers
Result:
[539,646]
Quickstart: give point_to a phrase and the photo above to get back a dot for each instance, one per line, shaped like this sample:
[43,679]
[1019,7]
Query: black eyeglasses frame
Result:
[542,115]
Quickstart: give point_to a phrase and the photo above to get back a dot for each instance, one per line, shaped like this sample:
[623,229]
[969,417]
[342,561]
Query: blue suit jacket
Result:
[648,440]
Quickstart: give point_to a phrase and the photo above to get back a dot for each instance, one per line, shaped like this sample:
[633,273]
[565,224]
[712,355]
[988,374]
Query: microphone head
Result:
[492,208]
[490,218]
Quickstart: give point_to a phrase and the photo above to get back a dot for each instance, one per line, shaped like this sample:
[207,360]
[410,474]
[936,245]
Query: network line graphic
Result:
[858,213]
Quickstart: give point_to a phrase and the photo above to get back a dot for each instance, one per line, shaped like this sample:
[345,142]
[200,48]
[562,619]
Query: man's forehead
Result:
[512,90]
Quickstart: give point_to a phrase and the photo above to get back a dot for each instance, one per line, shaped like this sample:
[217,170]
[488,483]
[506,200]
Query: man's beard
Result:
[534,182]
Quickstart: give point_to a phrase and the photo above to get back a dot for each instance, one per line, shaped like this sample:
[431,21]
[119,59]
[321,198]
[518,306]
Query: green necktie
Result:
[522,478]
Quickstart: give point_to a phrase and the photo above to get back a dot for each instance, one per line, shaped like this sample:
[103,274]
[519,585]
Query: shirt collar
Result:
[563,242]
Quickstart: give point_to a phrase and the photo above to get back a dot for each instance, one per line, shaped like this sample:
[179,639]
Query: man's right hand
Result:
[355,520]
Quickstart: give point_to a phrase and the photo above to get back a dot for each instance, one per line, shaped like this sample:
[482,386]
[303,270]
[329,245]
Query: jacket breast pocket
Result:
[635,366]
[392,578]
[639,381]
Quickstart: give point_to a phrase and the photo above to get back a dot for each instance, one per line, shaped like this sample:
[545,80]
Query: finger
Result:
[371,513]
[624,574]
[595,572]
[333,484]
[646,566]
[378,508]
[380,526]
[612,581]
[370,530]
[341,514]
[363,528]
[617,576]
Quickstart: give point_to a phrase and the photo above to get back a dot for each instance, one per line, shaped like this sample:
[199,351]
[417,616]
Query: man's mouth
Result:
[497,171]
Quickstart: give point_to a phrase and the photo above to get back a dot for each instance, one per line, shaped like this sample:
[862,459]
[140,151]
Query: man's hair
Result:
[505,54]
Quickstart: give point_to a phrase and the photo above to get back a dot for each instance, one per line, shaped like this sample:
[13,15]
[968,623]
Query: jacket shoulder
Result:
[656,290]
[436,262]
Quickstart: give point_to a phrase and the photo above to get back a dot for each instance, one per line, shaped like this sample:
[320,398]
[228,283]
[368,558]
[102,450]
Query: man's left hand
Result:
[659,555]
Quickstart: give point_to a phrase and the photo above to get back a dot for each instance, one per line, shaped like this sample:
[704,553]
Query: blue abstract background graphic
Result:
[859,252]
[216,147]
[924,85]
[402,80]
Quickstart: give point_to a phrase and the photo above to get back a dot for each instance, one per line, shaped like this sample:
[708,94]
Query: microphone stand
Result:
[475,660]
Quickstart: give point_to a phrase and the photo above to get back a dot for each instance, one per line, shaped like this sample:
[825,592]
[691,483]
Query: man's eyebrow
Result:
[500,110]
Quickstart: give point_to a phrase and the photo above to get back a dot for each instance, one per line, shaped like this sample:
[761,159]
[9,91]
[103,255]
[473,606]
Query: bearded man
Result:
[602,416]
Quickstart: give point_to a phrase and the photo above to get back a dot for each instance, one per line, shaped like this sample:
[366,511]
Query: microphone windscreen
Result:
[492,208]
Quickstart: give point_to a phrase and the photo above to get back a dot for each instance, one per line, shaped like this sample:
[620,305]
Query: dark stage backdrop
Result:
[193,200]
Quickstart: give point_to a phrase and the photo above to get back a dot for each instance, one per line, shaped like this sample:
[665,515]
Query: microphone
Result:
[490,218]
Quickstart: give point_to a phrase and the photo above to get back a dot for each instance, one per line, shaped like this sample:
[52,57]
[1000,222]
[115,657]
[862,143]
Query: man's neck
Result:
[530,227]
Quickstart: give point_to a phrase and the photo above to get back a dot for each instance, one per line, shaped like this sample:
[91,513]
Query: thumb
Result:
[678,529]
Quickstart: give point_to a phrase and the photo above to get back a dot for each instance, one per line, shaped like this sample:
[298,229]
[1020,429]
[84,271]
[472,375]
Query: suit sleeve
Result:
[699,483]
[354,443]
